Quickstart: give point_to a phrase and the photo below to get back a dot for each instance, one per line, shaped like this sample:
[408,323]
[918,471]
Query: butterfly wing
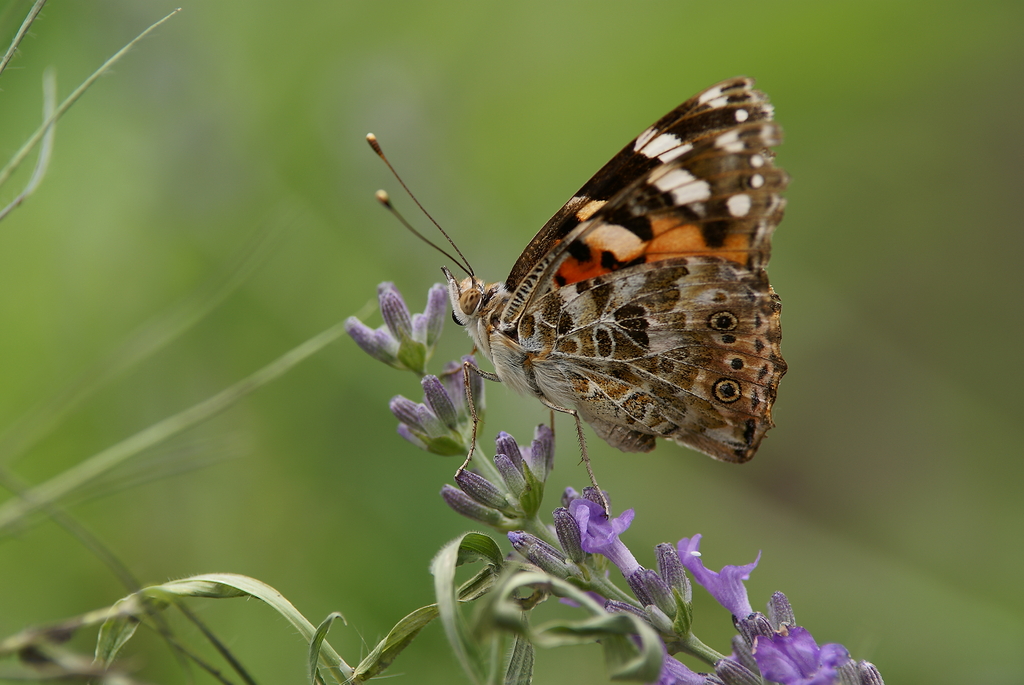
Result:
[712,111]
[654,303]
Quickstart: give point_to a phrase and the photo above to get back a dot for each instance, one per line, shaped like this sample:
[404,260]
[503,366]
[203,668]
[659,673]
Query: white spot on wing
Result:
[741,115]
[730,142]
[660,145]
[756,181]
[709,94]
[673,179]
[683,185]
[643,138]
[739,205]
[677,152]
[694,192]
[756,161]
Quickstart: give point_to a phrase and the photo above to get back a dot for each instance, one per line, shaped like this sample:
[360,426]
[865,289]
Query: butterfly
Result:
[642,307]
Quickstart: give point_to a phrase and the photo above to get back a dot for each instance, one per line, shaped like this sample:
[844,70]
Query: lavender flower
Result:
[725,586]
[514,486]
[600,534]
[405,341]
[793,657]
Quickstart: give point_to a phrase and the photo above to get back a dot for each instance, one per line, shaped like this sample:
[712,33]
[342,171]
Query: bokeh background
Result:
[887,503]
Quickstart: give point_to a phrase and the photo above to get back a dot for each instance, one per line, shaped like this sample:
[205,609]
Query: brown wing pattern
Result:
[703,116]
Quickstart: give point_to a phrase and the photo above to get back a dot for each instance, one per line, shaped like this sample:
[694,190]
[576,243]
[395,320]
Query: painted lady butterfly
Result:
[642,307]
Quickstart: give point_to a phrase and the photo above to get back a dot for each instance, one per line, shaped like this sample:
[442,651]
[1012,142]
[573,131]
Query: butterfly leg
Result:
[583,450]
[467,368]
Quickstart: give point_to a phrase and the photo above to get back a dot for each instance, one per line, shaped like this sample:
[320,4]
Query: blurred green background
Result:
[887,502]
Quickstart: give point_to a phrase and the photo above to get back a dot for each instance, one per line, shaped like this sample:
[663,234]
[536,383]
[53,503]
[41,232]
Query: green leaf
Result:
[520,664]
[413,355]
[476,657]
[633,650]
[400,637]
[113,635]
[314,646]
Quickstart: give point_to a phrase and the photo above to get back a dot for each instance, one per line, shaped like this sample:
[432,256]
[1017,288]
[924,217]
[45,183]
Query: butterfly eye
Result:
[456,319]
[469,300]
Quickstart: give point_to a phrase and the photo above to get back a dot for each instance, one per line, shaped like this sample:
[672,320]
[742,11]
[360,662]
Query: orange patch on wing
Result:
[573,270]
[675,239]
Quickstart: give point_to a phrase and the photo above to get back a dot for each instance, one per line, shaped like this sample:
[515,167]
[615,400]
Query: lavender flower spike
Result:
[436,425]
[600,535]
[405,341]
[725,586]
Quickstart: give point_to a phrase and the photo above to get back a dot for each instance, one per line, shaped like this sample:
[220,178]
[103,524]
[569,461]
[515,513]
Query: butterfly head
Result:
[474,306]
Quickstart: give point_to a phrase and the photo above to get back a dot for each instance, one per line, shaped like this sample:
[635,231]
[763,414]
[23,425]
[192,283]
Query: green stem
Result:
[22,153]
[693,646]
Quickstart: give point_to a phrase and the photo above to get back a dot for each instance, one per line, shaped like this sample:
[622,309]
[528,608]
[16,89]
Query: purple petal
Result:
[725,586]
[793,658]
[600,535]
[675,672]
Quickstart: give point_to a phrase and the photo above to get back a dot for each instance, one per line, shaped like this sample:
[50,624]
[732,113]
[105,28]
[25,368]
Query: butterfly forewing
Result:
[643,303]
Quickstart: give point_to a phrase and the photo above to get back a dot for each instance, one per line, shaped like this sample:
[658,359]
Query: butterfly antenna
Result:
[385,200]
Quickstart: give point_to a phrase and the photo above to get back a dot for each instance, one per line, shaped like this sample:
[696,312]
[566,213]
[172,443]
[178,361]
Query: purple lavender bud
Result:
[848,673]
[404,431]
[869,675]
[568,532]
[591,493]
[383,340]
[507,445]
[742,653]
[542,452]
[780,611]
[436,396]
[452,379]
[672,571]
[614,606]
[543,555]
[406,411]
[754,625]
[649,588]
[432,425]
[568,496]
[395,313]
[465,505]
[370,342]
[734,673]
[481,489]
[512,476]
[434,314]
[675,672]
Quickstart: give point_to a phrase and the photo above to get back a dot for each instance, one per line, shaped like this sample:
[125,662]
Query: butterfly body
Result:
[643,304]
